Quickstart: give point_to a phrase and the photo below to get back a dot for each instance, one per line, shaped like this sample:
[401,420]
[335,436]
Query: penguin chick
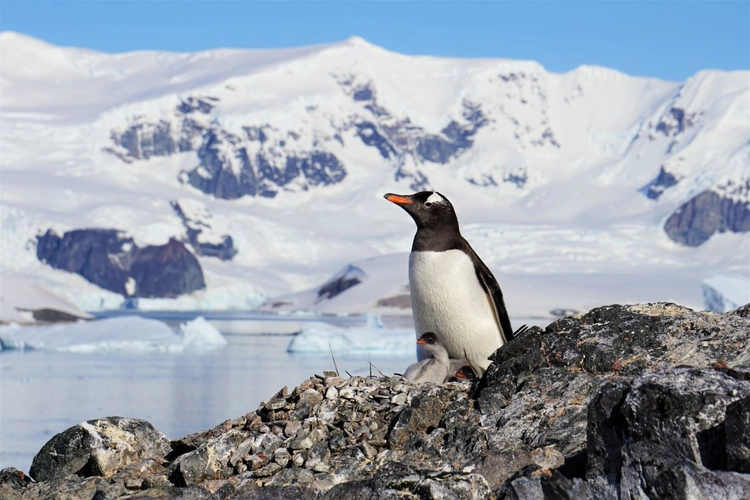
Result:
[466,372]
[455,365]
[452,291]
[434,369]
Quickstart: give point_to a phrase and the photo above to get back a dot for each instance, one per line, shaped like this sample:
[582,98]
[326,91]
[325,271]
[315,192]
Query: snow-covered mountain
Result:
[268,167]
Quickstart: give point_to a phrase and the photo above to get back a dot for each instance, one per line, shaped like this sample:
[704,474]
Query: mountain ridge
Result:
[252,136]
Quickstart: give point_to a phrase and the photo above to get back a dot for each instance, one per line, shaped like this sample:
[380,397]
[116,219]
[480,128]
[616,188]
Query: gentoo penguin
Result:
[456,364]
[434,369]
[453,293]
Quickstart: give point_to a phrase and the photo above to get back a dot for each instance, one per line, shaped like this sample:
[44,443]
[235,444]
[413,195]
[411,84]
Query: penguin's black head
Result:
[466,373]
[429,209]
[428,338]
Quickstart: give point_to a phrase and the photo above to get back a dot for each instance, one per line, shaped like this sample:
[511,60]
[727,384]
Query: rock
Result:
[165,271]
[348,277]
[663,181]
[110,259]
[737,434]
[209,461]
[395,481]
[424,414]
[642,433]
[263,161]
[98,448]
[143,140]
[709,212]
[197,219]
[640,401]
[87,252]
[226,169]
[12,483]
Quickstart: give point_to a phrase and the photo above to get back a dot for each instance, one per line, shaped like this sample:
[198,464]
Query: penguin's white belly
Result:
[448,299]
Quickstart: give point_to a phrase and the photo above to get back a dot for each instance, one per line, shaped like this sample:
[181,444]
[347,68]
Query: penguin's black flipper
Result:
[489,283]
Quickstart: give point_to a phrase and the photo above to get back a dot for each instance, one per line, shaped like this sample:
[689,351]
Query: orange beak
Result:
[421,342]
[461,375]
[397,199]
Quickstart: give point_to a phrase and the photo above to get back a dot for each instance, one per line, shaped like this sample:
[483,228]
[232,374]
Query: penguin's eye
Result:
[428,204]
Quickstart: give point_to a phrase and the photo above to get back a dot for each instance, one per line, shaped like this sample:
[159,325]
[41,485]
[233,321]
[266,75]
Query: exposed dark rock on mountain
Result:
[87,252]
[223,249]
[372,136]
[642,401]
[165,271]
[227,169]
[661,182]
[265,161]
[143,139]
[675,121]
[110,259]
[398,139]
[710,212]
[347,278]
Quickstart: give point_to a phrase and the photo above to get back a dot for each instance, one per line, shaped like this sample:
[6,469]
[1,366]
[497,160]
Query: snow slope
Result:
[547,171]
[20,299]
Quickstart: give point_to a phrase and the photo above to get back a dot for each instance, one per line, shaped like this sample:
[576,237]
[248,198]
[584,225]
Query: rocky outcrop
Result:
[348,277]
[663,181]
[643,401]
[263,160]
[144,139]
[231,167]
[111,259]
[197,221]
[694,222]
[400,139]
[98,448]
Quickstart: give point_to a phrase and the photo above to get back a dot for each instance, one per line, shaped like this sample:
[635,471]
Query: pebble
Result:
[292,428]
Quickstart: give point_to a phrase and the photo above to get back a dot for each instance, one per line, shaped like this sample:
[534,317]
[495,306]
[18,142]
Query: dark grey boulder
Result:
[98,447]
[664,433]
[12,483]
[737,434]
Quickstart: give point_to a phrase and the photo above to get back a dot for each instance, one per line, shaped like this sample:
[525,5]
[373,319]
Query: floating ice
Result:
[126,333]
[320,337]
[374,321]
[725,293]
[200,333]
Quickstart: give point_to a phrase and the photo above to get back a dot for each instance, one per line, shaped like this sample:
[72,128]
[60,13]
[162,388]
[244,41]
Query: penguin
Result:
[466,372]
[434,369]
[453,293]
[455,365]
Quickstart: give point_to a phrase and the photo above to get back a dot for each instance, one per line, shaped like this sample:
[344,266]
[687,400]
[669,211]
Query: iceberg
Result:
[125,333]
[725,293]
[200,333]
[322,337]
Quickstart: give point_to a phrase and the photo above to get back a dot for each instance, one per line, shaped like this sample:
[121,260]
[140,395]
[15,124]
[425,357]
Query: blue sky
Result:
[666,39]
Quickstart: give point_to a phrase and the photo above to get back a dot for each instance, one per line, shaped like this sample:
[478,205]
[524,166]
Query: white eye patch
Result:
[435,198]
